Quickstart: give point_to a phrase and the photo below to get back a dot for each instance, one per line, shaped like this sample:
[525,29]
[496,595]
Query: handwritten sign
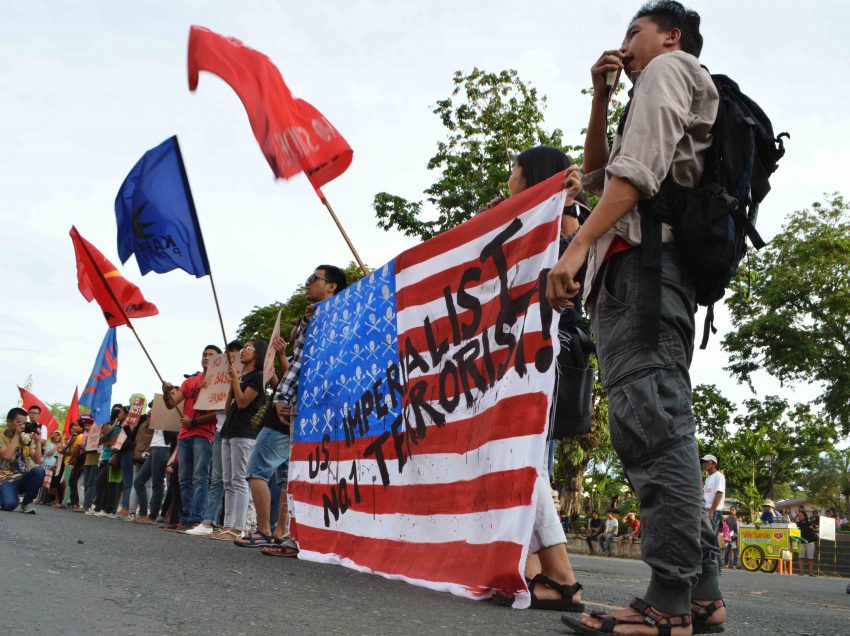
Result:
[162,417]
[268,363]
[137,407]
[119,441]
[216,384]
[93,440]
[424,395]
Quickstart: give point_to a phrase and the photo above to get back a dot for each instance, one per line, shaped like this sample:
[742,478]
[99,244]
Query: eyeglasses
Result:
[249,346]
[313,278]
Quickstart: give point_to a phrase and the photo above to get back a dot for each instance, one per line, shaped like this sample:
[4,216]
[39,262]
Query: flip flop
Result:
[280,551]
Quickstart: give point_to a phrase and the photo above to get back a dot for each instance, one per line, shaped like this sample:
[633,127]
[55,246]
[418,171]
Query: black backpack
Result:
[712,221]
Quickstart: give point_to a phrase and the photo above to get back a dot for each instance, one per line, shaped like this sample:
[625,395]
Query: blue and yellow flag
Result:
[98,392]
[156,215]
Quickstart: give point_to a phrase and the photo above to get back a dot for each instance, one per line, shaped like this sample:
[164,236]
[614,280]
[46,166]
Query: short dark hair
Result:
[36,407]
[235,345]
[14,412]
[541,162]
[335,275]
[669,15]
[213,347]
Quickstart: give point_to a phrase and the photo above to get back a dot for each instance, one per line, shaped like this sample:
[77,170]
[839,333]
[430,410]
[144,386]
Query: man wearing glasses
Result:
[271,450]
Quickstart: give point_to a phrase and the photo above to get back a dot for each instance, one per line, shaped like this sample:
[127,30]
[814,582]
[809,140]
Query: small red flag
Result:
[99,280]
[292,134]
[46,418]
[72,415]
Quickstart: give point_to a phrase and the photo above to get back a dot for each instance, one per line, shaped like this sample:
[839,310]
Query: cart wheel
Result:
[770,565]
[752,558]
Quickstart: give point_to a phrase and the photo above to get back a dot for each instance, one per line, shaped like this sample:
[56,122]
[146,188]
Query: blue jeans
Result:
[715,524]
[126,478]
[193,455]
[152,470]
[270,451]
[28,485]
[89,483]
[215,496]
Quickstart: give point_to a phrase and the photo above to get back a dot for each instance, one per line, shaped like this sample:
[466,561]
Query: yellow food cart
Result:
[761,546]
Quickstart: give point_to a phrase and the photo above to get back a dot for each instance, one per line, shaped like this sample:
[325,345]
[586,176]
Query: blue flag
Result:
[98,392]
[156,215]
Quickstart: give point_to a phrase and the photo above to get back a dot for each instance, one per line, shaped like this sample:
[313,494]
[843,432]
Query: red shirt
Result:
[634,525]
[190,389]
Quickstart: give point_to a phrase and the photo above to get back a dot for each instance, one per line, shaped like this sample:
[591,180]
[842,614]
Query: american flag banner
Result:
[423,406]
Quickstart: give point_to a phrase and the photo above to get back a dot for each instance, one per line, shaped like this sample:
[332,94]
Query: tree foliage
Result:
[829,479]
[488,116]
[794,321]
[260,320]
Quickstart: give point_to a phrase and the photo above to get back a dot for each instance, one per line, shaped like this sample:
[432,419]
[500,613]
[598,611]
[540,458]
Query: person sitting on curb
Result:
[611,528]
[633,525]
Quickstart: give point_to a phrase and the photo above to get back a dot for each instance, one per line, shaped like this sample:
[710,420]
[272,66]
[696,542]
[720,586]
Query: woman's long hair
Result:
[541,162]
[260,348]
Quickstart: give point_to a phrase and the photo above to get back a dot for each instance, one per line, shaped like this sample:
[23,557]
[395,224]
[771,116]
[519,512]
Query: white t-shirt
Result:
[158,439]
[220,416]
[714,483]
[611,527]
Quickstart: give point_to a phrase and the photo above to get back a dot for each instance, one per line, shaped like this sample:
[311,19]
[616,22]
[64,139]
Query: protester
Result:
[237,436]
[194,441]
[215,495]
[70,455]
[648,384]
[153,470]
[52,453]
[271,451]
[20,456]
[633,533]
[809,536]
[107,485]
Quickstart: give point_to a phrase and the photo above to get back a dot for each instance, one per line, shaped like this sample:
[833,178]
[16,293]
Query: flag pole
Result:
[342,230]
[203,246]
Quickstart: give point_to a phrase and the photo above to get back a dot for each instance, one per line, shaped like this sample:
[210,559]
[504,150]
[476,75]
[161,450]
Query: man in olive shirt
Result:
[666,132]
[20,455]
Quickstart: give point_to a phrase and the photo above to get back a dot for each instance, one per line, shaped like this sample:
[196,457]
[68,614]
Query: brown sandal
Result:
[700,614]
[647,616]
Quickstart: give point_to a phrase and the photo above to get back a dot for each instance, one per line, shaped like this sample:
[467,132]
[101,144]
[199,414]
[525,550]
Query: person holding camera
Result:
[20,456]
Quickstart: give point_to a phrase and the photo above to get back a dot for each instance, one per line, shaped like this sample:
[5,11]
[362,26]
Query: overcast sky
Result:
[88,87]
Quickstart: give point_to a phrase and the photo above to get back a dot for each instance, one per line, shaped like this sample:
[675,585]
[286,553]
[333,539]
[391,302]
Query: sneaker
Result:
[101,513]
[111,515]
[161,519]
[28,509]
[90,512]
[199,530]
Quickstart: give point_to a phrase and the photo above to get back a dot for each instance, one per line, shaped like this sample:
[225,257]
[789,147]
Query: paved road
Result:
[104,576]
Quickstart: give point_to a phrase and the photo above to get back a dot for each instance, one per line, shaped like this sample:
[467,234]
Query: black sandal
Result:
[647,616]
[700,614]
[564,604]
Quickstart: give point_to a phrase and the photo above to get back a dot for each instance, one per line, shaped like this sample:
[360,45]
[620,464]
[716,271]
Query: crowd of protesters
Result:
[221,476]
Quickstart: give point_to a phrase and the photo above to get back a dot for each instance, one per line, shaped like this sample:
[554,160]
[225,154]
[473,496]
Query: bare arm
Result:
[596,139]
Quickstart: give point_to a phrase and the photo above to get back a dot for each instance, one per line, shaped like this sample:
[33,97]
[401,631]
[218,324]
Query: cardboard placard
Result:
[93,440]
[119,441]
[137,405]
[268,363]
[216,384]
[162,417]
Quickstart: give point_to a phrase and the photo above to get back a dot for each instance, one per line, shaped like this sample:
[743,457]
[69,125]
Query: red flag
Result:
[99,280]
[72,415]
[292,134]
[46,418]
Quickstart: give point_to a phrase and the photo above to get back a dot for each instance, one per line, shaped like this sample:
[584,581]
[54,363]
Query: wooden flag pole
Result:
[142,345]
[345,236]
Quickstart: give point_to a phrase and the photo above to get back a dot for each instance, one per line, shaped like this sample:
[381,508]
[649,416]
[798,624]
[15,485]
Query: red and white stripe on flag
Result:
[443,494]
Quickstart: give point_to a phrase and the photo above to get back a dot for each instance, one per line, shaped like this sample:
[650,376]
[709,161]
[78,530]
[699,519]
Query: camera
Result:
[31,427]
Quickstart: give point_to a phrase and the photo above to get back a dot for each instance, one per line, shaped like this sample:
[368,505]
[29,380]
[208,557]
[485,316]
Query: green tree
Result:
[260,320]
[793,322]
[712,413]
[829,480]
[488,116]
